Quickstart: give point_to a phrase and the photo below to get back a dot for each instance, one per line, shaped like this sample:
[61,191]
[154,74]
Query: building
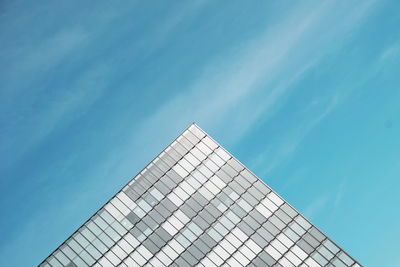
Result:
[196,205]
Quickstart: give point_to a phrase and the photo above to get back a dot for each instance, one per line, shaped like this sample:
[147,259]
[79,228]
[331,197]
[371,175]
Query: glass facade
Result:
[196,205]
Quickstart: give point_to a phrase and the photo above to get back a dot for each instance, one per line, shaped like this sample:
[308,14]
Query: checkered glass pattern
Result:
[196,205]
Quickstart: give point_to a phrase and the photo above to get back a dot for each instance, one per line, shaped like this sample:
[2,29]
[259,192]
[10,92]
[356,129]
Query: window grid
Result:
[225,188]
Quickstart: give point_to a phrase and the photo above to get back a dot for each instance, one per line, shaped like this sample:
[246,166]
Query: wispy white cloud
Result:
[316,206]
[390,52]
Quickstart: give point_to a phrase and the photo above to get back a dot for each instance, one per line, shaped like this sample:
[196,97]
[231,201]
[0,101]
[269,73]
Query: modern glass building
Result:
[196,205]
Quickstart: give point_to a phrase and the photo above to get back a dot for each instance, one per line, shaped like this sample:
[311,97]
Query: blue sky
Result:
[304,93]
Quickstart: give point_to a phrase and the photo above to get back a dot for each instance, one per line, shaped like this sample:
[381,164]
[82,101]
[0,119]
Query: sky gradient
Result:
[305,93]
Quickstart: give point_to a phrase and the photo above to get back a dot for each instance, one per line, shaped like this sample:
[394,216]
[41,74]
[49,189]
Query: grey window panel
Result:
[224,176]
[266,258]
[174,176]
[283,216]
[203,224]
[150,246]
[255,193]
[242,181]
[208,240]
[202,246]
[213,211]
[229,170]
[163,234]
[237,187]
[305,246]
[258,216]
[289,210]
[189,258]
[182,263]
[311,240]
[155,215]
[132,217]
[200,199]
[262,241]
[169,205]
[185,208]
[195,252]
[250,199]
[271,228]
[245,228]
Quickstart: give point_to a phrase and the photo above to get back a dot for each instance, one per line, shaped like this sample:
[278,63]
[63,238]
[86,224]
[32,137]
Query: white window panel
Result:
[233,195]
[156,262]
[182,217]
[232,216]
[193,182]
[253,246]
[186,165]
[222,153]
[269,204]
[239,234]
[205,171]
[206,193]
[120,206]
[175,245]
[203,148]
[293,258]
[233,240]
[144,252]
[212,188]
[187,187]
[217,159]
[175,199]
[215,258]
[112,258]
[125,246]
[279,246]
[180,170]
[241,258]
[105,262]
[273,252]
[131,240]
[227,245]
[285,262]
[211,165]
[299,252]
[130,262]
[164,258]
[119,252]
[198,154]
[222,252]
[246,206]
[285,240]
[218,182]
[172,254]
[114,212]
[181,193]
[156,194]
[192,159]
[169,228]
[209,142]
[312,263]
[207,262]
[175,222]
[138,258]
[247,252]
[199,176]
[263,210]
[144,205]
[233,262]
